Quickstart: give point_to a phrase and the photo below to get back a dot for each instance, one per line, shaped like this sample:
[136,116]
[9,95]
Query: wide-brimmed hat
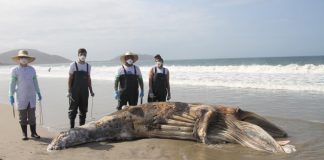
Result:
[122,58]
[23,54]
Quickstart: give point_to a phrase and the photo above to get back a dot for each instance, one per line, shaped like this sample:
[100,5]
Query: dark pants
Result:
[80,102]
[131,98]
[27,116]
[157,99]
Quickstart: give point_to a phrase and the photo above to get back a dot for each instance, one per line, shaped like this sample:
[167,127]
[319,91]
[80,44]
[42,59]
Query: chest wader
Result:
[80,96]
[159,87]
[128,89]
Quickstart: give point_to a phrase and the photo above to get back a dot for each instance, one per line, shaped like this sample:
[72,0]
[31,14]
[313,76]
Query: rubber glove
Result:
[39,96]
[117,96]
[11,100]
[142,94]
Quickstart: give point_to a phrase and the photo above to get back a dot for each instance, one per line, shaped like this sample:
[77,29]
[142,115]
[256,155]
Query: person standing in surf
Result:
[127,81]
[79,85]
[159,85]
[24,83]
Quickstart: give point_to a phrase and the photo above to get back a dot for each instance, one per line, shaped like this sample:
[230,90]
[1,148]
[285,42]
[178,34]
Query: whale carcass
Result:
[208,124]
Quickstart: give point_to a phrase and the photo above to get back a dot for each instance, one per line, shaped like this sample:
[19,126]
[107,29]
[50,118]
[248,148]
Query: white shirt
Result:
[129,70]
[81,67]
[160,70]
[26,92]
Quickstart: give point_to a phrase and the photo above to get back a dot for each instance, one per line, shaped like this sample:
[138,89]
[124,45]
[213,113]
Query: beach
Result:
[299,111]
[306,135]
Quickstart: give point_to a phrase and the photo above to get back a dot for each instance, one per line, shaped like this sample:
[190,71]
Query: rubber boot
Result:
[71,124]
[82,121]
[33,131]
[24,132]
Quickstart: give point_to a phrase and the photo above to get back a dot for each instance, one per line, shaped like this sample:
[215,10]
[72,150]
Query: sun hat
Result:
[23,54]
[122,58]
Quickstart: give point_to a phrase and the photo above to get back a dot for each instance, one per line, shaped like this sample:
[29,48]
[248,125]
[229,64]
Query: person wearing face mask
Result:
[24,83]
[79,85]
[127,81]
[159,86]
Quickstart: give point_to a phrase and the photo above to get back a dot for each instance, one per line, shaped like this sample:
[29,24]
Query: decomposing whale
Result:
[208,124]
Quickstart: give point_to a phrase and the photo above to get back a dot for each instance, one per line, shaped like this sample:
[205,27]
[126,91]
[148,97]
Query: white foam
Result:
[307,77]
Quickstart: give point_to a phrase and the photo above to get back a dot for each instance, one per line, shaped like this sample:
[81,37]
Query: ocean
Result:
[279,73]
[289,91]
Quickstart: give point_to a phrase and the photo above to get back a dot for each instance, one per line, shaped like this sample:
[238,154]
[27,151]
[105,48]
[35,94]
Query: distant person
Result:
[159,85]
[79,86]
[128,80]
[24,83]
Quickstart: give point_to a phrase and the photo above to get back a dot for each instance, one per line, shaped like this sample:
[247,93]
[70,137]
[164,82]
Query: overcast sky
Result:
[176,29]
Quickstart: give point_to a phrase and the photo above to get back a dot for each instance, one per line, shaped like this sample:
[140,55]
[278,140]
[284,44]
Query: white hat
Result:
[122,58]
[23,54]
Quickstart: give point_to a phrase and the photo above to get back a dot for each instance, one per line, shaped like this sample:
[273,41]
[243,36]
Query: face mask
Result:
[82,58]
[129,61]
[23,61]
[159,64]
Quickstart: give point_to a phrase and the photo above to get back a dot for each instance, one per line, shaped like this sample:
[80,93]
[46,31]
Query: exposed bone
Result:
[188,116]
[282,143]
[176,128]
[203,126]
[179,123]
[175,117]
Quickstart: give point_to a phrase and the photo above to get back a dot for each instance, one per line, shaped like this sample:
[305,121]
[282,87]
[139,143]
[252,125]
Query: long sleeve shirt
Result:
[24,83]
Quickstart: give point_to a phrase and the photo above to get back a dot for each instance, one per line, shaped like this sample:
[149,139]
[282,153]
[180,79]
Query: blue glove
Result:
[117,96]
[142,93]
[39,96]
[11,100]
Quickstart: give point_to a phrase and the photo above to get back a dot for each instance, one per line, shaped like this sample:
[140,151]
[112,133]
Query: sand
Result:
[13,148]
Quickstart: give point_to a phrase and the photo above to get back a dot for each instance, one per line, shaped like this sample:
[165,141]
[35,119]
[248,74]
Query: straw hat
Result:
[122,58]
[23,54]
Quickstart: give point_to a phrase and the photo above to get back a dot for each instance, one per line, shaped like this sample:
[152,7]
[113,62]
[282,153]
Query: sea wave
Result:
[308,77]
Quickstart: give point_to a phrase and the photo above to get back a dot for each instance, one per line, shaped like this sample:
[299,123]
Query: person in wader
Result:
[24,83]
[127,81]
[79,85]
[159,86]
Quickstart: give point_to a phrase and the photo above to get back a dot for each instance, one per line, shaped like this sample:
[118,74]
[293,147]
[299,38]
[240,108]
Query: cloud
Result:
[196,29]
[48,24]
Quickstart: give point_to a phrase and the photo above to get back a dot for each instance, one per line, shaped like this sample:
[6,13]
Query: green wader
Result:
[80,96]
[128,89]
[159,87]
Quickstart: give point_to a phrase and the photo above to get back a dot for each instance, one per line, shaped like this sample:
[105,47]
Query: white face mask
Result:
[23,61]
[159,64]
[82,58]
[129,61]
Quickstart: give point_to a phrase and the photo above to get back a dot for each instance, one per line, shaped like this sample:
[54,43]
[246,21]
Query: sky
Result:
[176,29]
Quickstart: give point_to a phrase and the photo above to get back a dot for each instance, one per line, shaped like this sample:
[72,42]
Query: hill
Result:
[141,57]
[41,57]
